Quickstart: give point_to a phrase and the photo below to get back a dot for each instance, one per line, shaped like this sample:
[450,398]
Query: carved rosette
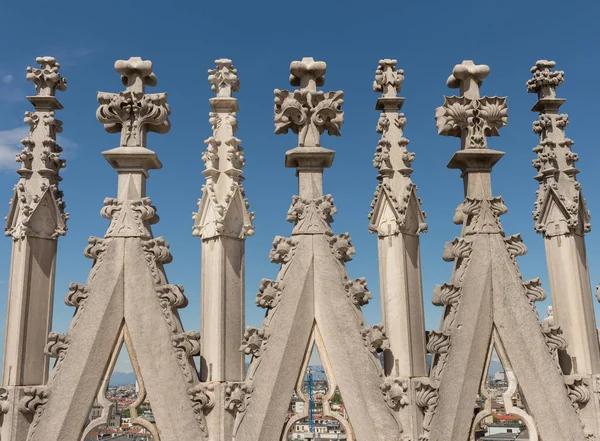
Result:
[560,207]
[237,396]
[36,208]
[312,216]
[395,392]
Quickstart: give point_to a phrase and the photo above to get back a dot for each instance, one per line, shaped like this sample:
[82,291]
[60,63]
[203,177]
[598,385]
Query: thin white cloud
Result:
[6,79]
[10,145]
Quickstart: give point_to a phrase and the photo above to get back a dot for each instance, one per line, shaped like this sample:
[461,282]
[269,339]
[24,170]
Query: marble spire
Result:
[561,217]
[223,222]
[35,220]
[398,220]
[487,304]
[127,299]
[313,302]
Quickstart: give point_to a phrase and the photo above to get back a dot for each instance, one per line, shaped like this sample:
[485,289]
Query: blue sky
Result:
[184,38]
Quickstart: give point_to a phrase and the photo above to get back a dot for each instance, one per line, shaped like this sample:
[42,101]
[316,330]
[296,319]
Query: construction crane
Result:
[311,401]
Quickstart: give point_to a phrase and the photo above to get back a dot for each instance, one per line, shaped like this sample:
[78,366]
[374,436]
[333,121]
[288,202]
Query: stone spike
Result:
[487,295]
[223,222]
[398,220]
[562,218]
[127,295]
[35,220]
[314,298]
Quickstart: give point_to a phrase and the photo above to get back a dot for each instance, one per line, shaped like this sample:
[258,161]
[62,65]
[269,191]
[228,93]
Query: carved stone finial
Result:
[47,80]
[133,112]
[224,78]
[37,208]
[387,80]
[545,80]
[308,112]
[560,207]
[468,77]
[136,74]
[471,117]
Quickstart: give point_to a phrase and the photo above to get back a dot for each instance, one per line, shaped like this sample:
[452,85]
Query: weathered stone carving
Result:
[312,216]
[269,293]
[427,397]
[255,341]
[308,112]
[129,218]
[186,344]
[395,391]
[237,396]
[578,390]
[554,340]
[203,401]
[534,290]
[132,112]
[375,339]
[341,247]
[34,399]
[224,79]
[358,292]
[77,295]
[57,345]
[283,250]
